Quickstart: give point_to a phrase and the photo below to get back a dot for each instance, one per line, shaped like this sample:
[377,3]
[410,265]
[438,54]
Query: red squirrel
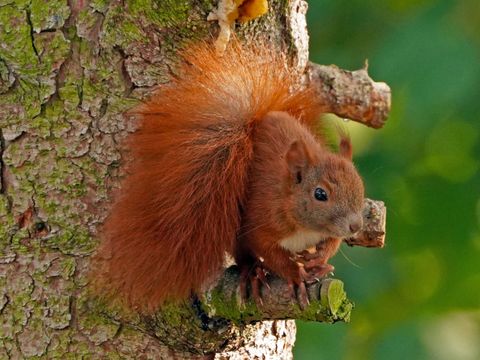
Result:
[225,160]
[300,195]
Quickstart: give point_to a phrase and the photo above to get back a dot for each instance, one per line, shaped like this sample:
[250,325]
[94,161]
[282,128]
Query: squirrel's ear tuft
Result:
[345,147]
[297,156]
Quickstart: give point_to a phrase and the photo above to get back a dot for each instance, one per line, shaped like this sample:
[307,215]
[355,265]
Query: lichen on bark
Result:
[68,70]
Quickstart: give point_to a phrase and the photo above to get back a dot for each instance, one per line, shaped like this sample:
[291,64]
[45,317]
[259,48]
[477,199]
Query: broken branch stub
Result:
[351,94]
[373,231]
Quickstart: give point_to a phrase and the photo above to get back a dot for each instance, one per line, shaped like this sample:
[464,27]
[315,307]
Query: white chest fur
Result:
[301,240]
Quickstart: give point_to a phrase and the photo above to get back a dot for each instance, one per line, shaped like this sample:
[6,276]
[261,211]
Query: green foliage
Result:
[419,297]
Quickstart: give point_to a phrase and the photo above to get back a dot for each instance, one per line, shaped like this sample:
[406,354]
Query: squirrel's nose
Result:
[354,227]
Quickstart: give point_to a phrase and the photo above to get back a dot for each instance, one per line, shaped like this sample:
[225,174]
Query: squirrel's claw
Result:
[261,275]
[256,276]
[314,271]
[301,295]
[243,285]
[256,295]
[319,270]
[311,270]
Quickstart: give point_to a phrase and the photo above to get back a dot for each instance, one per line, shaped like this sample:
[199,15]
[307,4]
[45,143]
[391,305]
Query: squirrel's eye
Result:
[320,194]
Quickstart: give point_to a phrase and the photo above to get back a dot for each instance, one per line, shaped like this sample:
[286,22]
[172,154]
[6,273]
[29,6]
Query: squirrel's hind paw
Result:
[256,276]
[301,295]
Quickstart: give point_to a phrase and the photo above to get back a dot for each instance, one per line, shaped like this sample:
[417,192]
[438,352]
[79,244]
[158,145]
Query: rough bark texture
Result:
[352,94]
[220,321]
[373,232]
[68,69]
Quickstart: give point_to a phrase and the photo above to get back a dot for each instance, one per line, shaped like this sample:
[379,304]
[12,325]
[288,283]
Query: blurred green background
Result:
[419,297]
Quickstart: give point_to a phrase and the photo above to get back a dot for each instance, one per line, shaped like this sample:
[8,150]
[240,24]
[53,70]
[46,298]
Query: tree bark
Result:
[68,70]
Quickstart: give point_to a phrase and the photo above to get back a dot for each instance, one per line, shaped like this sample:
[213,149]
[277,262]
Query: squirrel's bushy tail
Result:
[178,210]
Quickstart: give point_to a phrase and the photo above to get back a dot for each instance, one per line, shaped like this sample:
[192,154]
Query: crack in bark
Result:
[118,332]
[73,72]
[98,26]
[28,12]
[80,88]
[125,75]
[74,54]
[102,111]
[3,187]
[5,304]
[7,351]
[28,316]
[3,175]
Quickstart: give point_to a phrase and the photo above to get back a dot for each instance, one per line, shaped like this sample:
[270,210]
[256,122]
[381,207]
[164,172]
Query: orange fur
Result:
[179,207]
[282,216]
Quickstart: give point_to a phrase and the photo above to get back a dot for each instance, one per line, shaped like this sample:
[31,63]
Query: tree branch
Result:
[328,301]
[97,59]
[215,320]
[373,232]
[351,94]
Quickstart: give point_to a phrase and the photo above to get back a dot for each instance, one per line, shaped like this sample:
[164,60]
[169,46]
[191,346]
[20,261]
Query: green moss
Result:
[120,29]
[43,169]
[41,126]
[334,301]
[98,328]
[18,300]
[164,13]
[100,5]
[6,78]
[20,4]
[63,177]
[48,14]
[332,306]
[74,242]
[17,48]
[70,95]
[20,241]
[208,5]
[34,60]
[81,347]
[26,93]
[86,20]
[313,312]
[4,206]
[53,49]
[119,104]
[175,314]
[18,53]
[6,222]
[68,266]
[228,307]
[59,348]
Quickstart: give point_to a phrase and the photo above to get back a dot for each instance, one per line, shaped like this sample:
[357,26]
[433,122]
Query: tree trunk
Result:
[68,70]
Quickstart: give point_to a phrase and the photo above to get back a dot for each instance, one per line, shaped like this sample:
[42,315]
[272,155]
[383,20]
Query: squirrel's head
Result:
[327,191]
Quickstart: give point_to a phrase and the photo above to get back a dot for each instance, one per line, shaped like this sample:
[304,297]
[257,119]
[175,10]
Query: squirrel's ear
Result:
[345,147]
[297,156]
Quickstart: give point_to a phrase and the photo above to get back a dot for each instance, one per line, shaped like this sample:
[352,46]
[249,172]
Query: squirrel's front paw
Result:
[315,265]
[315,269]
[306,275]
